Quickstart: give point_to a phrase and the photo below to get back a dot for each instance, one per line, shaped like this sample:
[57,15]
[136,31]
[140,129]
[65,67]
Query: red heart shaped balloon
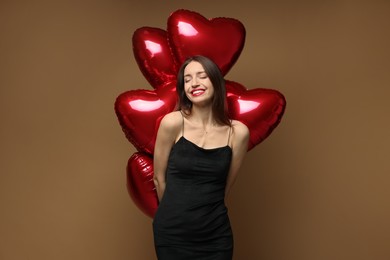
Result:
[140,111]
[140,183]
[220,39]
[259,109]
[154,56]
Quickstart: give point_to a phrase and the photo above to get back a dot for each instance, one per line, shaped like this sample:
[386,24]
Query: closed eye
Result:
[203,75]
[187,79]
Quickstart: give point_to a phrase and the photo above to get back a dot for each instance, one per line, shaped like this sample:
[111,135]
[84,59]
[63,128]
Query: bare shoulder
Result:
[241,131]
[172,121]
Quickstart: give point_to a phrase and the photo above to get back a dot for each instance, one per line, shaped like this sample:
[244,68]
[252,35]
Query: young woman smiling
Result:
[198,153]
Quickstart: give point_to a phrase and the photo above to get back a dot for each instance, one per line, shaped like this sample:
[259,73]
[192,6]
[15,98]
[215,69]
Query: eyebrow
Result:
[199,72]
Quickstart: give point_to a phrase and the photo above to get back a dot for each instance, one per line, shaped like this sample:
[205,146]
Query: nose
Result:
[194,82]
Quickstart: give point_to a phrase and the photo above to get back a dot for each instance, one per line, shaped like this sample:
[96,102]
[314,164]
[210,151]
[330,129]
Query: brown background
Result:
[316,189]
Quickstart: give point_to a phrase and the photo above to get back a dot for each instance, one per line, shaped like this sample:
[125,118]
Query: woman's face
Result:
[197,85]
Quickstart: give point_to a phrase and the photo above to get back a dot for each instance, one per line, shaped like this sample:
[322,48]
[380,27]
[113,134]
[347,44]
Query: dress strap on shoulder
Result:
[230,130]
[182,127]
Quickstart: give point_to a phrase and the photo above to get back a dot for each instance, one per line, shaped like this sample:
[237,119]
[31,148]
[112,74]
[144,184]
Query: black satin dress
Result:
[191,222]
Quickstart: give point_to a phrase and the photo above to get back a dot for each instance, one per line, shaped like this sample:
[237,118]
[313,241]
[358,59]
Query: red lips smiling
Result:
[197,92]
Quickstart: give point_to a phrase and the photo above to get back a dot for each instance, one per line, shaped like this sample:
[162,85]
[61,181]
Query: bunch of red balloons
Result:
[159,54]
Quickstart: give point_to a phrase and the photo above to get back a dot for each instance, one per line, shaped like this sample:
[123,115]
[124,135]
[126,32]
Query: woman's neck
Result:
[202,115]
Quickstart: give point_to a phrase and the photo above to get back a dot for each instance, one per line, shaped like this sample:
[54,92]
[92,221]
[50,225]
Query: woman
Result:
[197,156]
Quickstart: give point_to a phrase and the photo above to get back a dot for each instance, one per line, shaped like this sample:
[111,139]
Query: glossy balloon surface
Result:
[220,39]
[140,111]
[153,55]
[259,109]
[140,183]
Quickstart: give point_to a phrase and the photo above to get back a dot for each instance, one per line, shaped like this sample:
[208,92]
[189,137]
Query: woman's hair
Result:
[219,103]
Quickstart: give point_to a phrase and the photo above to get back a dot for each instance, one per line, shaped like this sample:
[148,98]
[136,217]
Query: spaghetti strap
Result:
[230,130]
[182,127]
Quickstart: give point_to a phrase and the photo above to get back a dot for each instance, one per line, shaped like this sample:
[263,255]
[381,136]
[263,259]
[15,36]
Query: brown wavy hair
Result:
[219,103]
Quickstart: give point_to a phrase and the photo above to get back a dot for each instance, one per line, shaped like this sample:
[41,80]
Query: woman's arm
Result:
[239,147]
[166,136]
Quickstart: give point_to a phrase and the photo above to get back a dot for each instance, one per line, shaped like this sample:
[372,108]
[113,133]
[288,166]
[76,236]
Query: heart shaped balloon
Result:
[153,55]
[220,39]
[259,109]
[140,183]
[140,111]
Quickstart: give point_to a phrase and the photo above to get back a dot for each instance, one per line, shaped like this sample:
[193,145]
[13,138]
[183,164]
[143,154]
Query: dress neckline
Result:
[201,148]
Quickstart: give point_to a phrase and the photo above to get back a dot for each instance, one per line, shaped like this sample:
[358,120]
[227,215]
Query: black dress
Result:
[191,221]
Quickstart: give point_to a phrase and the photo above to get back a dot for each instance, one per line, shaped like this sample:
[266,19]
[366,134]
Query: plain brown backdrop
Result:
[316,189]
